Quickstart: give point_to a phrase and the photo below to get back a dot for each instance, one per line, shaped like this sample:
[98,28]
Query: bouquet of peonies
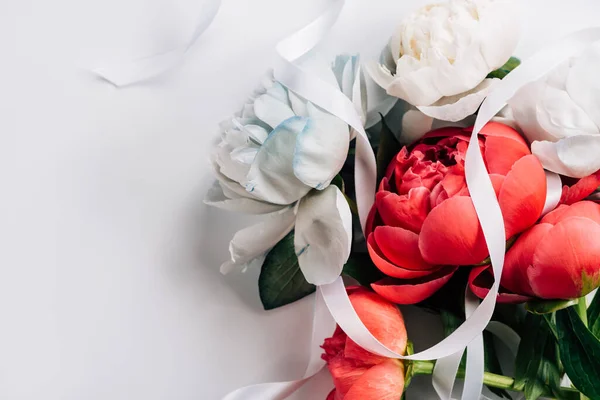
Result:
[297,163]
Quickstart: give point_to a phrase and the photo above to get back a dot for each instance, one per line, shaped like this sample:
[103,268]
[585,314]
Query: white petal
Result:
[256,133]
[323,235]
[415,125]
[414,82]
[575,156]
[379,73]
[219,196]
[560,116]
[271,110]
[321,148]
[255,241]
[582,83]
[271,176]
[298,105]
[456,108]
[499,32]
[524,105]
[244,155]
[464,74]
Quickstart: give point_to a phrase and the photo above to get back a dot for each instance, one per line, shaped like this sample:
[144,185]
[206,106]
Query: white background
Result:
[109,282]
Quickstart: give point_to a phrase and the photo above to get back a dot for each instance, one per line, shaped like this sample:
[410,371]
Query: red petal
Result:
[384,381]
[481,280]
[406,211]
[565,263]
[345,372]
[520,257]
[580,190]
[587,209]
[383,319]
[497,182]
[451,234]
[503,148]
[370,223]
[523,195]
[385,266]
[401,247]
[332,396]
[415,290]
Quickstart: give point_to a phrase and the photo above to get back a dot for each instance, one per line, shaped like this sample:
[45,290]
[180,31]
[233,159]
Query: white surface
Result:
[109,282]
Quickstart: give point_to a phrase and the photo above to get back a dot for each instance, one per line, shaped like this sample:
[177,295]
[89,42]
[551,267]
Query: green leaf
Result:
[281,282]
[547,306]
[504,70]
[387,150]
[594,315]
[339,182]
[360,267]
[530,357]
[579,352]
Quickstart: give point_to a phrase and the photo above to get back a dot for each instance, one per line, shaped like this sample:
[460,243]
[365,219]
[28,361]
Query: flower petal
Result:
[499,32]
[406,211]
[480,282]
[321,148]
[385,266]
[448,240]
[587,209]
[565,264]
[345,373]
[575,156]
[503,147]
[520,257]
[323,235]
[523,195]
[217,198]
[254,242]
[582,85]
[415,124]
[383,381]
[383,319]
[271,176]
[401,247]
[581,189]
[413,291]
[456,108]
[273,107]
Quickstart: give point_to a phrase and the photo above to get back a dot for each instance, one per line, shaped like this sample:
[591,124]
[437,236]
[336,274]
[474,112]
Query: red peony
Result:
[423,224]
[358,374]
[559,258]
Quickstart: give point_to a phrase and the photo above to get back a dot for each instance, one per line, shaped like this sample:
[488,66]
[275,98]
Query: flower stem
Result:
[489,379]
[581,309]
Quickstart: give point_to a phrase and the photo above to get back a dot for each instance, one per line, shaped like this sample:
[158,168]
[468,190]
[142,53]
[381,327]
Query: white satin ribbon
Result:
[482,193]
[484,200]
[553,192]
[140,69]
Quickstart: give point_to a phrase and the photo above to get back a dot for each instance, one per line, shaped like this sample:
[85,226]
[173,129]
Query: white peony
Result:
[278,157]
[442,54]
[560,115]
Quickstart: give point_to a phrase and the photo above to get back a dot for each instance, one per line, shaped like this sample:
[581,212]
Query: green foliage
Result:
[537,371]
[547,306]
[361,268]
[504,70]
[579,352]
[387,149]
[281,282]
[594,315]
